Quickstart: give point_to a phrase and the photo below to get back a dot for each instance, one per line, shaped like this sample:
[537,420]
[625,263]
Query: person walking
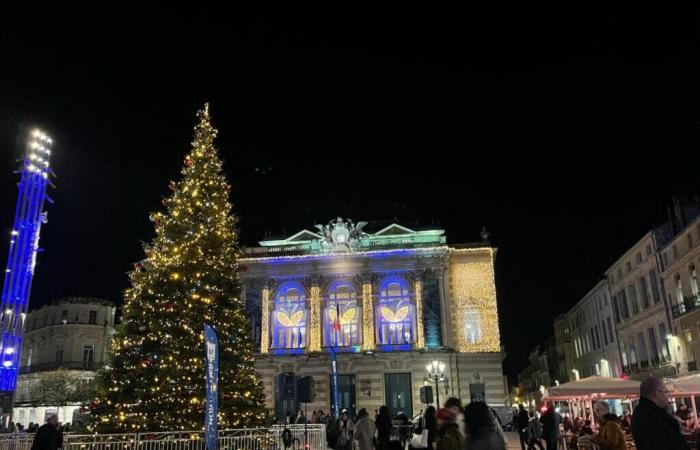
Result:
[521,425]
[482,429]
[449,435]
[534,433]
[383,424]
[345,430]
[550,426]
[364,430]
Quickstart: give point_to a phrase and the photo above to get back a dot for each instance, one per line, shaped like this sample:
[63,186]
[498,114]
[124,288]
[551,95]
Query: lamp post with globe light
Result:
[436,374]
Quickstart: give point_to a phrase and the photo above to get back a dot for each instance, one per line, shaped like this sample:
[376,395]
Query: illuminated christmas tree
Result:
[156,376]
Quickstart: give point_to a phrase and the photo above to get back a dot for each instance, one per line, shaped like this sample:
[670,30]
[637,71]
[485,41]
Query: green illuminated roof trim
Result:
[390,236]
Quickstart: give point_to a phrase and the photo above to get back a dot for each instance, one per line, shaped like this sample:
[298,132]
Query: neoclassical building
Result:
[387,300]
[70,333]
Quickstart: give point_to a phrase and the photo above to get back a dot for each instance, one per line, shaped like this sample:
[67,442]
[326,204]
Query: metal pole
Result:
[336,393]
[437,391]
[334,365]
[306,425]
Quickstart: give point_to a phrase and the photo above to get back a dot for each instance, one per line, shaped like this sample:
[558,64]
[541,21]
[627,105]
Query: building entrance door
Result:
[346,390]
[398,393]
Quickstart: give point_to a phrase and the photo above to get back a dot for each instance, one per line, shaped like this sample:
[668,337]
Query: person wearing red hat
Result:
[449,436]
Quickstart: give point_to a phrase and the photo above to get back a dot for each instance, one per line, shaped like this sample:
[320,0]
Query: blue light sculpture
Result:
[24,245]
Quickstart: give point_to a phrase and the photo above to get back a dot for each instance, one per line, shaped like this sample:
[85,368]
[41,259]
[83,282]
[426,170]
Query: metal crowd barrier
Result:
[239,439]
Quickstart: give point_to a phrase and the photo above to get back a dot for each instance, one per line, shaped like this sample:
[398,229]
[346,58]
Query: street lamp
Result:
[436,373]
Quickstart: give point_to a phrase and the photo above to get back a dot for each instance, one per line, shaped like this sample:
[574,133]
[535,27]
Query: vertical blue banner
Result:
[211,355]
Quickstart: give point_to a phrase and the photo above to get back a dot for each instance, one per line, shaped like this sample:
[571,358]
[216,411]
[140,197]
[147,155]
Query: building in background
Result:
[70,333]
[542,372]
[639,309]
[564,348]
[643,319]
[593,337]
[680,262]
[388,300]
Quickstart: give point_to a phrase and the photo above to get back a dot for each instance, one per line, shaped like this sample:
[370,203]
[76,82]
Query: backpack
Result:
[534,429]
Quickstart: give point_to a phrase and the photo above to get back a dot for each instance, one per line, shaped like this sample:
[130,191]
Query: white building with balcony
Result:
[680,260]
[639,309]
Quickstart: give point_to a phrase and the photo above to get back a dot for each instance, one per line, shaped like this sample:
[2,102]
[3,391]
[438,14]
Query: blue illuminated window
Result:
[341,317]
[395,313]
[289,318]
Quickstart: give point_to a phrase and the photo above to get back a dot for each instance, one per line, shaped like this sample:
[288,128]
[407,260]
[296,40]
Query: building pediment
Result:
[343,235]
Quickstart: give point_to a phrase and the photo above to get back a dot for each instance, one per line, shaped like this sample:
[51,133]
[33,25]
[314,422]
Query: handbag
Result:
[420,440]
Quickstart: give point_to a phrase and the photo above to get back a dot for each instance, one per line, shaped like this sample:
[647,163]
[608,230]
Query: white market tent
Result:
[688,384]
[586,390]
[595,387]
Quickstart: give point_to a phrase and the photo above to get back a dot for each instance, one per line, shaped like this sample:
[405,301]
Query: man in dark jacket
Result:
[550,426]
[47,436]
[653,428]
[521,423]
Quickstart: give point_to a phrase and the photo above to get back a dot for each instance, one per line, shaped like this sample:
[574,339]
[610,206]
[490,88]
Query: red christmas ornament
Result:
[188,161]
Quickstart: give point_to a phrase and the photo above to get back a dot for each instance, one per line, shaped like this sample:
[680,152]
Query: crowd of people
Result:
[31,428]
[451,427]
[653,426]
[46,437]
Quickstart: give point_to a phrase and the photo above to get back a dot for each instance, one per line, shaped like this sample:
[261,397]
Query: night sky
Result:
[563,132]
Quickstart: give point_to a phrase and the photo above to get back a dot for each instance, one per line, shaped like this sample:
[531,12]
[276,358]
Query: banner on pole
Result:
[211,355]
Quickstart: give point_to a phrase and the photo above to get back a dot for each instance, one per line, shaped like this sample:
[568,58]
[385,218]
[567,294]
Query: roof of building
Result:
[77,300]
[344,235]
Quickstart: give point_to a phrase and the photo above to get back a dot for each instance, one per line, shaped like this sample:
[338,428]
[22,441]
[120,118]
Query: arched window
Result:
[289,318]
[395,313]
[472,326]
[341,317]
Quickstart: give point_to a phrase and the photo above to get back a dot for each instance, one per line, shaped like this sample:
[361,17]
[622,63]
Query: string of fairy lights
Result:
[472,290]
[188,277]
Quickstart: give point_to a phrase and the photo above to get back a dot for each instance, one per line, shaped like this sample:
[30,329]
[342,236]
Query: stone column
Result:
[367,315]
[445,304]
[418,286]
[265,321]
[315,319]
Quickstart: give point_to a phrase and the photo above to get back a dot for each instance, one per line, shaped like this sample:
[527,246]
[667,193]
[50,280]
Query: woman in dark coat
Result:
[429,422]
[383,428]
[482,432]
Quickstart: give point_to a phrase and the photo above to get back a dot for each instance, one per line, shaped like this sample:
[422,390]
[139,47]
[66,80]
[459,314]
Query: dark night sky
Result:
[564,132]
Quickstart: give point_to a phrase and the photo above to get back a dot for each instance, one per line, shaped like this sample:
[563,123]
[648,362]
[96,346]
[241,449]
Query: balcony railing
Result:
[70,365]
[690,303]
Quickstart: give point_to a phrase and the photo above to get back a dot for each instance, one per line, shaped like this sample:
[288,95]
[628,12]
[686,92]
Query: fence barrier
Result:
[314,435]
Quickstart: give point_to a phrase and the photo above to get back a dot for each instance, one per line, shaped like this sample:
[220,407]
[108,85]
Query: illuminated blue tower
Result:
[24,245]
